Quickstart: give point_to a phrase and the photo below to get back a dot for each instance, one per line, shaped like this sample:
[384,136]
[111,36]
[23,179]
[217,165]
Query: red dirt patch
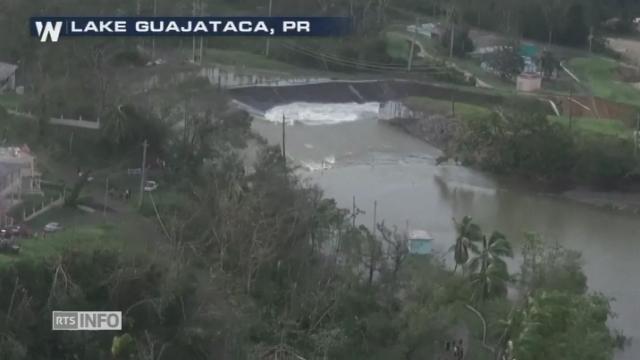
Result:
[597,108]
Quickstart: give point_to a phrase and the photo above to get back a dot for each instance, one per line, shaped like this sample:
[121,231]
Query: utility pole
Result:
[284,143]
[453,105]
[193,50]
[153,39]
[71,142]
[201,37]
[375,216]
[570,109]
[413,45]
[636,135]
[353,213]
[106,197]
[145,144]
[268,45]
[453,31]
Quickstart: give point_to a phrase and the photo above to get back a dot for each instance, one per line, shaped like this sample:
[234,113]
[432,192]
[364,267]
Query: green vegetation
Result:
[239,266]
[10,100]
[81,240]
[398,47]
[256,264]
[523,140]
[548,21]
[249,60]
[462,110]
[600,75]
[596,126]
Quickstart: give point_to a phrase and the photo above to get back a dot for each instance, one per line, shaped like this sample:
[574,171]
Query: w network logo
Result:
[49,30]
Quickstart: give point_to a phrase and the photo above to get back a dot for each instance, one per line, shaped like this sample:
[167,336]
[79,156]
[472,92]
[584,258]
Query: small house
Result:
[7,77]
[420,242]
[18,174]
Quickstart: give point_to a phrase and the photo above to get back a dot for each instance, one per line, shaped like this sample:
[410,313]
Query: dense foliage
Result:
[556,21]
[525,142]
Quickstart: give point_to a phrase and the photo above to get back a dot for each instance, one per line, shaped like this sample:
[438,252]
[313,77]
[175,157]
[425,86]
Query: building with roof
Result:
[18,174]
[420,242]
[7,77]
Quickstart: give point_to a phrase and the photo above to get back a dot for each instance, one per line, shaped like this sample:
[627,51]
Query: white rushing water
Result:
[322,114]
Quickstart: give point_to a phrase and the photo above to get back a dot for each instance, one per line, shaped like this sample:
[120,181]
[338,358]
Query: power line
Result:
[372,65]
[362,65]
[145,145]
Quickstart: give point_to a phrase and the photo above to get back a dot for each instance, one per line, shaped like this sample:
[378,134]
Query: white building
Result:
[18,173]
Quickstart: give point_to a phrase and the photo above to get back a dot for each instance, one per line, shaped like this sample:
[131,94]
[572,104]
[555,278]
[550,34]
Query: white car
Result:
[150,185]
[52,227]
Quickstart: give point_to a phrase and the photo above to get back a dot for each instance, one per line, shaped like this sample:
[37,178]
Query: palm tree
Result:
[490,274]
[468,233]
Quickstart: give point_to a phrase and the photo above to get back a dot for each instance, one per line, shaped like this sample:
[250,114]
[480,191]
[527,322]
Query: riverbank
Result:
[440,131]
[613,200]
[437,130]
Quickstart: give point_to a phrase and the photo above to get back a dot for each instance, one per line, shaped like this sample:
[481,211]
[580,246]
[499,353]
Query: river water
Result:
[356,155]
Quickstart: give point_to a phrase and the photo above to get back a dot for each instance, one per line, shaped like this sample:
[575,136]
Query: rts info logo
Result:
[86,320]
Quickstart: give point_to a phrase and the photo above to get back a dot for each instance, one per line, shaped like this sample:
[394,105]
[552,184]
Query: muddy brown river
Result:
[359,156]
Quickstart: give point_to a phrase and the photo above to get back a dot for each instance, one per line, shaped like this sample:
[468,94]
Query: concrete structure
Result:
[528,82]
[7,77]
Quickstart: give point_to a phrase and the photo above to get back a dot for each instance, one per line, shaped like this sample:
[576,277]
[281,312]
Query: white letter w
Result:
[50,30]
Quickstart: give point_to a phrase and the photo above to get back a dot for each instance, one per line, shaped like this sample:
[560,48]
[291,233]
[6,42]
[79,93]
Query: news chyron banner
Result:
[52,29]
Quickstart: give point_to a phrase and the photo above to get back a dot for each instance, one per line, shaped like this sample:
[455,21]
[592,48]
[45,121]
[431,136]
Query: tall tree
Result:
[488,268]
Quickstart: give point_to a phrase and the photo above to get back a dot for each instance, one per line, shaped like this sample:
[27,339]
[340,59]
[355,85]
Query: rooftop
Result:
[420,235]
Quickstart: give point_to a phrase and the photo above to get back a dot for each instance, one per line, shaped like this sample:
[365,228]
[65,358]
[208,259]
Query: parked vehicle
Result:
[52,227]
[8,247]
[20,231]
[150,185]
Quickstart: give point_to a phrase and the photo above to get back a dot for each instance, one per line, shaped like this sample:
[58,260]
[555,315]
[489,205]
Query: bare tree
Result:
[397,248]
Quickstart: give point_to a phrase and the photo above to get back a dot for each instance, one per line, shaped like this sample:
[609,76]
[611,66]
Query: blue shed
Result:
[420,242]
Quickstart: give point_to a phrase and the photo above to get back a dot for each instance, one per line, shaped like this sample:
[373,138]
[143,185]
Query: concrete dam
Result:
[258,99]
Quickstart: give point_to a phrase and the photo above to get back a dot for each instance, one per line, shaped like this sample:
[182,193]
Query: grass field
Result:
[397,46]
[81,239]
[249,60]
[10,100]
[599,74]
[588,125]
[463,110]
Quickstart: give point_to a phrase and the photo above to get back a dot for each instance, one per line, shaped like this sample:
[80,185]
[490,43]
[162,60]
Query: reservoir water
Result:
[348,152]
